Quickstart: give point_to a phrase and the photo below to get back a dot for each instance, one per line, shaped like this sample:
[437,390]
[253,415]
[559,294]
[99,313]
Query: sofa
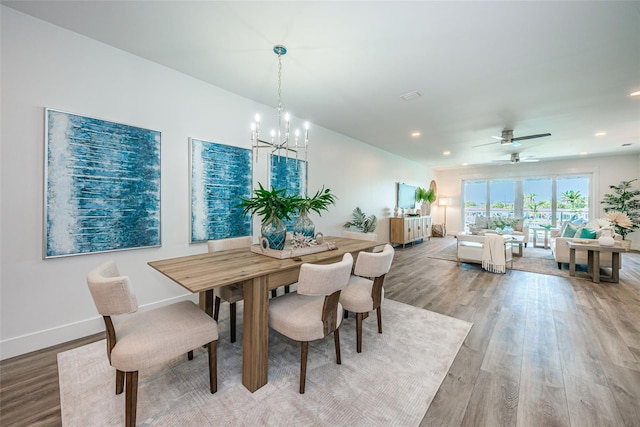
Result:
[470,248]
[574,233]
[485,224]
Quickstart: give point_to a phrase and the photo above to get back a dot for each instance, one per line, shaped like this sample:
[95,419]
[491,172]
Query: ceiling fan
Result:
[507,138]
[515,158]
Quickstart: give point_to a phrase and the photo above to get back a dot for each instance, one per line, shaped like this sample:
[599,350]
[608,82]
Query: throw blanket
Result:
[493,258]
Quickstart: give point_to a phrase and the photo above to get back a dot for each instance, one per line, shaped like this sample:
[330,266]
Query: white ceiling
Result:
[561,67]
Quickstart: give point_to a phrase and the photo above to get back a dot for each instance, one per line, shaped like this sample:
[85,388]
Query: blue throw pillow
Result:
[570,230]
[587,233]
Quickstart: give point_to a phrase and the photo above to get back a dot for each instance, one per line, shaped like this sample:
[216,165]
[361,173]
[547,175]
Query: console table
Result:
[593,260]
[409,229]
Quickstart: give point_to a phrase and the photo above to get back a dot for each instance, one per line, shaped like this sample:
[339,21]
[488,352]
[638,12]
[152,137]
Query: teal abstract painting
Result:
[102,184]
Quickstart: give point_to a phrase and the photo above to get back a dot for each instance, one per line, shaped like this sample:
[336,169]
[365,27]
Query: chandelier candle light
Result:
[279,140]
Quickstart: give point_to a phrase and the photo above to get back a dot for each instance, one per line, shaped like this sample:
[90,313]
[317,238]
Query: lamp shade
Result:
[445,201]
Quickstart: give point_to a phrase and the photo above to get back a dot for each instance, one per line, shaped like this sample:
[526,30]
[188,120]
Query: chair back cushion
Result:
[111,292]
[324,279]
[231,243]
[371,264]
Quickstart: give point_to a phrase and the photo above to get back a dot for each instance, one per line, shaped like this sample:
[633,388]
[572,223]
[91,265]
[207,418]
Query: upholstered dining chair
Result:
[230,293]
[313,311]
[145,339]
[364,291]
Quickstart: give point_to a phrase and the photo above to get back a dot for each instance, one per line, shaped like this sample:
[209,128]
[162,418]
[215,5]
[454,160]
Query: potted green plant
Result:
[426,197]
[275,206]
[625,200]
[364,223]
[318,203]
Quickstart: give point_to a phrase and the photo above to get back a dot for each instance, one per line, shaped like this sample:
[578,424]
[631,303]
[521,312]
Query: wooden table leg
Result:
[255,334]
[205,301]
[572,261]
[595,260]
[615,267]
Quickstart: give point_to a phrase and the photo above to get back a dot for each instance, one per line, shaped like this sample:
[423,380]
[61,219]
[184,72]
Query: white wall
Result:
[605,171]
[45,302]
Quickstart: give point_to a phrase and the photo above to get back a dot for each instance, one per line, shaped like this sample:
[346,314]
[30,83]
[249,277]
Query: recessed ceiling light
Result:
[583,153]
[636,93]
[465,164]
[446,153]
[410,95]
[414,134]
[599,134]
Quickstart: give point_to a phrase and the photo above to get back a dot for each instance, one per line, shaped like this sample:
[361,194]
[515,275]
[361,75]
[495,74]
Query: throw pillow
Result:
[569,231]
[481,222]
[587,233]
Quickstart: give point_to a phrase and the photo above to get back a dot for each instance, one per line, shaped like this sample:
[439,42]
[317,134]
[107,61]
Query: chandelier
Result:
[280,138]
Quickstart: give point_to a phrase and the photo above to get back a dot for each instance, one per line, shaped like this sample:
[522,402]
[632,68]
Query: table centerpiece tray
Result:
[290,252]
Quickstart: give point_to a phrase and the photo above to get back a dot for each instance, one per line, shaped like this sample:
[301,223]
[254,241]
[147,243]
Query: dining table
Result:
[258,274]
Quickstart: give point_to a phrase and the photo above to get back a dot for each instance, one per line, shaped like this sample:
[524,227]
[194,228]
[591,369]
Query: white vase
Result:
[606,238]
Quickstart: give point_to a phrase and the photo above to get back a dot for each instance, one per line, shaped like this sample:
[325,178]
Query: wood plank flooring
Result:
[543,351]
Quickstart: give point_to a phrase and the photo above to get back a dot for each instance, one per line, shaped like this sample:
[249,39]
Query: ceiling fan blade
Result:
[522,138]
[488,143]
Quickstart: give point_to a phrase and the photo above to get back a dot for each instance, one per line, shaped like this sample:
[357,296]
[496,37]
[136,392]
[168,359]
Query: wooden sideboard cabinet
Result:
[409,229]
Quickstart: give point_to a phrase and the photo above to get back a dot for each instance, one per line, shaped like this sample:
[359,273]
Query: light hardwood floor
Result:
[543,351]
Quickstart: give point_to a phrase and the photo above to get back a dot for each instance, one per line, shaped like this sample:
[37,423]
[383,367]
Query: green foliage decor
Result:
[364,223]
[624,199]
[318,203]
[424,195]
[270,203]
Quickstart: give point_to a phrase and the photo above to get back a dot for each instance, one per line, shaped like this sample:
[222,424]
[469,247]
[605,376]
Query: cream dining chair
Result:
[364,291]
[230,293]
[144,339]
[314,311]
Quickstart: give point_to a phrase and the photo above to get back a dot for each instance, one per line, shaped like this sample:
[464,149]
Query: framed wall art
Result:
[102,185]
[220,174]
[288,173]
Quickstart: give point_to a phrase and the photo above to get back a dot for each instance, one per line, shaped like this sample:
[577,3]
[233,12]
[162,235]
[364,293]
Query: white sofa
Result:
[560,249]
[486,225]
[470,248]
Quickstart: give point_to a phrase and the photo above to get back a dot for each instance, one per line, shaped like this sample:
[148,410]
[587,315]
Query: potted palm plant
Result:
[275,206]
[426,197]
[318,203]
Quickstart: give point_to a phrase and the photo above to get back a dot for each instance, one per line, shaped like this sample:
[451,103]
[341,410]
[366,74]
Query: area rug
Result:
[533,260]
[392,382]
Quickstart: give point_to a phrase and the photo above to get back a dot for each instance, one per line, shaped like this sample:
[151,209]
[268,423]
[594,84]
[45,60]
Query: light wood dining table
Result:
[258,274]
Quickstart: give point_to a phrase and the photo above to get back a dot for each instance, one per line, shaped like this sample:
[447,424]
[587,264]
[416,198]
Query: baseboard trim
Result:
[24,344]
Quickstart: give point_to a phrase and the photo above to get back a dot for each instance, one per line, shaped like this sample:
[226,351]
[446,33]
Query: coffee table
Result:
[546,232]
[593,260]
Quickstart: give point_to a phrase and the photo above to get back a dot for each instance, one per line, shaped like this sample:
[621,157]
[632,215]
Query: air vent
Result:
[410,95]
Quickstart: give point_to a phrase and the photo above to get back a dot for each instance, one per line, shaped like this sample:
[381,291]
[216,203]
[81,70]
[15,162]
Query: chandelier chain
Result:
[279,92]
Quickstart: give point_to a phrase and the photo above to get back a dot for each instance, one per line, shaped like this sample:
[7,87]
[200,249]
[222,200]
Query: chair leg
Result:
[359,317]
[379,310]
[232,320]
[216,310]
[119,382]
[131,398]
[303,365]
[336,339]
[346,314]
[212,348]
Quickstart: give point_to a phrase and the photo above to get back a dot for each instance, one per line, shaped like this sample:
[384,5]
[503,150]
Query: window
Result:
[572,200]
[537,201]
[540,201]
